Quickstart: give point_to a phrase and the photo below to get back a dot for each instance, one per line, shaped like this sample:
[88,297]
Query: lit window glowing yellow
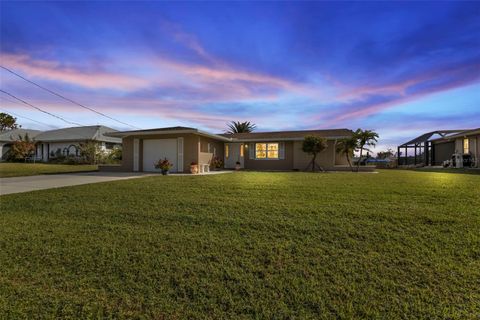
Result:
[466,148]
[226,151]
[266,150]
[241,150]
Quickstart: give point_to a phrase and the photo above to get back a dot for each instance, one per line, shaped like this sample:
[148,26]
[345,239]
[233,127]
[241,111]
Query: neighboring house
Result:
[464,145]
[436,147]
[7,138]
[66,141]
[280,150]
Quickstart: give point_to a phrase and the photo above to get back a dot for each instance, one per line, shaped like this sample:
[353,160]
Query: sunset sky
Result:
[399,68]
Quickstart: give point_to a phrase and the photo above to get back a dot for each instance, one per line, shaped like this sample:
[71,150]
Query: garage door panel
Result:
[156,149]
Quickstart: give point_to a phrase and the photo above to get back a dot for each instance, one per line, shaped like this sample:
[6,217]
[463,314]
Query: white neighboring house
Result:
[7,138]
[66,141]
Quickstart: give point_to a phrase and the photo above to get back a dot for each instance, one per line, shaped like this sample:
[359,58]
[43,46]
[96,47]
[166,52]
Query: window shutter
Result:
[136,157]
[281,150]
[180,154]
[251,150]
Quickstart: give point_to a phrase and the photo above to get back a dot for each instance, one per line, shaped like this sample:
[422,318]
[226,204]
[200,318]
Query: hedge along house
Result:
[66,141]
[255,151]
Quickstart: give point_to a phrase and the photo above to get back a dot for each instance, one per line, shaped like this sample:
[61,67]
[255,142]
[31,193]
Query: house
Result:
[436,148]
[280,150]
[66,141]
[463,146]
[7,138]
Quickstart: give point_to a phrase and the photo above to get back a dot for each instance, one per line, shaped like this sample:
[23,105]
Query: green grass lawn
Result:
[9,169]
[392,245]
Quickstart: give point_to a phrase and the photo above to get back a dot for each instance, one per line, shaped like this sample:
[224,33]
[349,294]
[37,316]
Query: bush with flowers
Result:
[194,167]
[164,165]
[217,162]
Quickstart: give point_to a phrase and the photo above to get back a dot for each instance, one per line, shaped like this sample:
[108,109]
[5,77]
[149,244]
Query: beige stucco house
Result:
[457,148]
[460,144]
[255,151]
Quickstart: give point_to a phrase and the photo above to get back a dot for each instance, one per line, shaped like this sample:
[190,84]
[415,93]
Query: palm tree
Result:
[314,145]
[347,147]
[364,138]
[240,127]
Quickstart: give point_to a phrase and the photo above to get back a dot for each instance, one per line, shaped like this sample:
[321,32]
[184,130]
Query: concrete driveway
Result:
[31,183]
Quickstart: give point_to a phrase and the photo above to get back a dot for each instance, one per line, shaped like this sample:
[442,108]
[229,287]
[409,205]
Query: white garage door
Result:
[156,149]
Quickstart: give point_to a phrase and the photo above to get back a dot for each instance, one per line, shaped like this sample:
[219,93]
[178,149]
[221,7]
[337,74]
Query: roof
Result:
[290,135]
[78,134]
[426,136]
[166,130]
[13,135]
[253,136]
[462,134]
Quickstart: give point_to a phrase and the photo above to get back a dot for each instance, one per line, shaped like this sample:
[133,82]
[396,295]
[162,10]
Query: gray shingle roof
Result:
[78,134]
[299,134]
[254,136]
[176,128]
[12,135]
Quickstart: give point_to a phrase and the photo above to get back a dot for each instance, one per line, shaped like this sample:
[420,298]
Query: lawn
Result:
[30,169]
[392,245]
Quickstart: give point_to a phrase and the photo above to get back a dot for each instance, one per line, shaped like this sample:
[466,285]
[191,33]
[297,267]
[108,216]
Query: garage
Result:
[156,149]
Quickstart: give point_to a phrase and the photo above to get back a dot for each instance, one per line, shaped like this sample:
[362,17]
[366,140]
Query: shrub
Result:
[163,165]
[217,162]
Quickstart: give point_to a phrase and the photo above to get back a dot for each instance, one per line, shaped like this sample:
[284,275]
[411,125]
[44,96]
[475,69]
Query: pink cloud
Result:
[451,77]
[55,71]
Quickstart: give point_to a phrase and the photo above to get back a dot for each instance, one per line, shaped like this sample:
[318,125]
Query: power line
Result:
[37,108]
[68,99]
[17,115]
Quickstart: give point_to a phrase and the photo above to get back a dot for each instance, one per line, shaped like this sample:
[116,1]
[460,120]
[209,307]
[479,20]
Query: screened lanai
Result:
[421,151]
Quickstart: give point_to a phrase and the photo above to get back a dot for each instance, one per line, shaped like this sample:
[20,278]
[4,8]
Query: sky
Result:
[399,68]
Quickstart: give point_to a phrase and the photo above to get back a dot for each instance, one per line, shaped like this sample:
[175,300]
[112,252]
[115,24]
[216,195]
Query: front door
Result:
[233,154]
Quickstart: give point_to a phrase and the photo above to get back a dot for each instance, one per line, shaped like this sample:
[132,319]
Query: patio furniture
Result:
[204,167]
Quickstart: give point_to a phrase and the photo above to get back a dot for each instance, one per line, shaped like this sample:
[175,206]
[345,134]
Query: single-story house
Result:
[436,147]
[465,146]
[7,138]
[66,141]
[280,150]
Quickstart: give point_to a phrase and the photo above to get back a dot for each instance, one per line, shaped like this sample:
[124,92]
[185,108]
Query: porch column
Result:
[415,158]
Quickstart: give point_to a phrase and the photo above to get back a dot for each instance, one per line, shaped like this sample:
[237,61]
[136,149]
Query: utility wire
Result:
[67,99]
[49,113]
[17,115]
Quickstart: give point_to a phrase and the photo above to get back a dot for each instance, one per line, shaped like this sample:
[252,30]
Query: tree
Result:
[7,122]
[364,138]
[91,152]
[240,127]
[115,154]
[385,154]
[23,148]
[313,146]
[347,147]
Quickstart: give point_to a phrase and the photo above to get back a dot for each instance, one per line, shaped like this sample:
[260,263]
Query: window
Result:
[109,145]
[241,150]
[226,151]
[466,149]
[266,150]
